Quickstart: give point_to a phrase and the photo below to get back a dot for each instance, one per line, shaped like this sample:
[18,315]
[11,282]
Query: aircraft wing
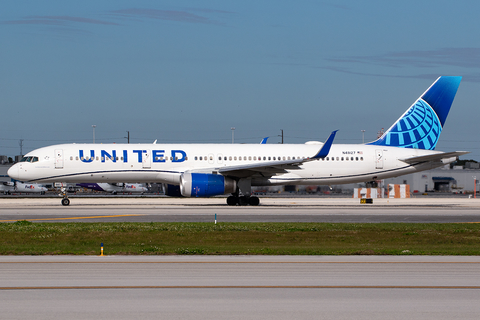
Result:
[265,169]
[438,157]
[268,169]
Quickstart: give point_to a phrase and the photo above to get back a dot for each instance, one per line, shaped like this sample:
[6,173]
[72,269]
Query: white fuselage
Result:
[164,163]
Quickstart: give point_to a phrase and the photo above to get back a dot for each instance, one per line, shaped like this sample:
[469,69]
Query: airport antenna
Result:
[233,134]
[281,135]
[20,143]
[128,137]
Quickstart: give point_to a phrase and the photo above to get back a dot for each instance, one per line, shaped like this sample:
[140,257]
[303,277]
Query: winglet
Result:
[323,152]
[264,140]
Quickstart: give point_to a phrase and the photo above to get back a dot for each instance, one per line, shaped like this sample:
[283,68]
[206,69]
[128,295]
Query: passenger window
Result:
[71,158]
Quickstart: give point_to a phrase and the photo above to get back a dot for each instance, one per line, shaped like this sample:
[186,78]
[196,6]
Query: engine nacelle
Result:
[205,185]
[172,190]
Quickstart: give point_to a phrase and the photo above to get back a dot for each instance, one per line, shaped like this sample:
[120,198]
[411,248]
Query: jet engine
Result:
[205,185]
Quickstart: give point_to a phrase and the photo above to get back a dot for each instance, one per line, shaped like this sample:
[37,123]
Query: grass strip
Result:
[155,238]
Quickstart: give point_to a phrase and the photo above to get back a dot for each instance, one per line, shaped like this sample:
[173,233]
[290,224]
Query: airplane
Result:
[29,188]
[204,170]
[7,187]
[115,188]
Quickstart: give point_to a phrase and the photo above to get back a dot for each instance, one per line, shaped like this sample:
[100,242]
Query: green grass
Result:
[24,237]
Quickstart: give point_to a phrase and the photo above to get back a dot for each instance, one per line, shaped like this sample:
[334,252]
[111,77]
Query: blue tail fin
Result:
[420,126]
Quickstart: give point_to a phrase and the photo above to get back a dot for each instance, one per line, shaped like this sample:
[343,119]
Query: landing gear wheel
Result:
[65,202]
[253,201]
[232,200]
[243,201]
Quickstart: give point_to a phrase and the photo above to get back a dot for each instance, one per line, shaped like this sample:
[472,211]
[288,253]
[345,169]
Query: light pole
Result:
[233,134]
[94,126]
[474,186]
[363,136]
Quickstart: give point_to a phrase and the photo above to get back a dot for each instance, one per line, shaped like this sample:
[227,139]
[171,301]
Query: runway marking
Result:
[238,287]
[75,218]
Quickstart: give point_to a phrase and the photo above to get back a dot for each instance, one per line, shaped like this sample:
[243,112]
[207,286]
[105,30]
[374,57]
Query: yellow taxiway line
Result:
[75,218]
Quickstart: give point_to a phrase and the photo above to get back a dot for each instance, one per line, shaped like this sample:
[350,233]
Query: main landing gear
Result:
[235,200]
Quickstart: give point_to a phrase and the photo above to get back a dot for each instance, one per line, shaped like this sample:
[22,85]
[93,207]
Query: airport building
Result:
[3,172]
[459,179]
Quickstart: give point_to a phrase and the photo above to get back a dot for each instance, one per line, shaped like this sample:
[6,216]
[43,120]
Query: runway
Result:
[421,210]
[240,287]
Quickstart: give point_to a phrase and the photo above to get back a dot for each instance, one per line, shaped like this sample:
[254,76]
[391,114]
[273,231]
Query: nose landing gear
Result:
[65,200]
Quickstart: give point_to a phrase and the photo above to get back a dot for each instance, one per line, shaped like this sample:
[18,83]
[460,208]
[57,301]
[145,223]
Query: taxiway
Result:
[425,210]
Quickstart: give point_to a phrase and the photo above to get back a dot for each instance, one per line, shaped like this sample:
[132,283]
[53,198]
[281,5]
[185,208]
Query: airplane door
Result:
[59,159]
[378,159]
[147,160]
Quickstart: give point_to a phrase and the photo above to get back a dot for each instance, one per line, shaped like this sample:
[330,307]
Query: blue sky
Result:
[188,71]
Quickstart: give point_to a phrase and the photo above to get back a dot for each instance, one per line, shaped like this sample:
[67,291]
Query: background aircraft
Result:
[115,188]
[29,188]
[7,187]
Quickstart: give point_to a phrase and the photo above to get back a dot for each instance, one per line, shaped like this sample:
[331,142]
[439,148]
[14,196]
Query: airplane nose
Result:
[13,172]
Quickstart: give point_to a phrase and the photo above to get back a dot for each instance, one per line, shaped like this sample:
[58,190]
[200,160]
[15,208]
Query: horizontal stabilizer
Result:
[434,157]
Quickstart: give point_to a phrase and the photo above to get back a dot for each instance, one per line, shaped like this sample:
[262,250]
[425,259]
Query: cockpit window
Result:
[29,159]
